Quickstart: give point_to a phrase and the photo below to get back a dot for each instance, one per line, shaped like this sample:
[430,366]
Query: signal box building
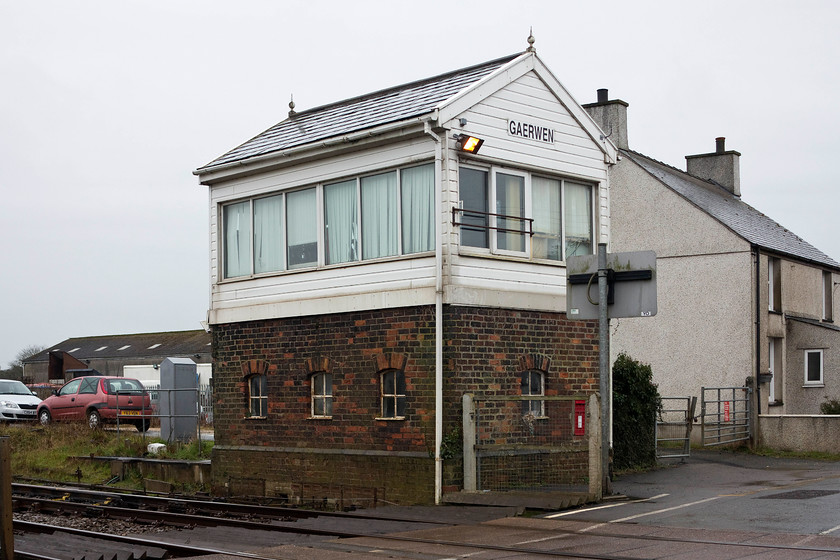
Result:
[367,271]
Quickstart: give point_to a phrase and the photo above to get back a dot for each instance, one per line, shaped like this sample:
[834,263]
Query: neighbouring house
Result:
[742,301]
[376,259]
[127,355]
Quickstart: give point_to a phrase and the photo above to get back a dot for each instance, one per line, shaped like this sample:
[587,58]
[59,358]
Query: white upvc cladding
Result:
[504,281]
[468,278]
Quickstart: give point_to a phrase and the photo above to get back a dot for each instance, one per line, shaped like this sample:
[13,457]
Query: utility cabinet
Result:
[178,399]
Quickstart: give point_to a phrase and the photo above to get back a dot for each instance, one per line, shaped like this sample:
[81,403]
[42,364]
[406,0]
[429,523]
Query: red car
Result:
[99,399]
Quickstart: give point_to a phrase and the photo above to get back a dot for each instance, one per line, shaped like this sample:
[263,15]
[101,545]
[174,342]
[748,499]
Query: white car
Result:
[17,402]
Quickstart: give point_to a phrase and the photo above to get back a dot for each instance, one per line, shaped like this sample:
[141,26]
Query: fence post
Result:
[469,443]
[7,536]
[593,426]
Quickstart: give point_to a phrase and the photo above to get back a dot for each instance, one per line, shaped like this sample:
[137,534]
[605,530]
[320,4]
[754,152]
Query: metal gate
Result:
[725,415]
[673,427]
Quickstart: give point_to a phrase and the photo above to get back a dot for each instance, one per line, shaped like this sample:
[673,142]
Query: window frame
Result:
[398,398]
[261,399]
[492,218]
[320,224]
[814,382]
[534,407]
[318,392]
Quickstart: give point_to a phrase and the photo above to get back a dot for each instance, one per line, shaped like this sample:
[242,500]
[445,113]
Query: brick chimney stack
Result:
[611,117]
[721,166]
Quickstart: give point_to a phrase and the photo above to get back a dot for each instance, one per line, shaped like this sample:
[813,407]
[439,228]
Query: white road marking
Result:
[564,513]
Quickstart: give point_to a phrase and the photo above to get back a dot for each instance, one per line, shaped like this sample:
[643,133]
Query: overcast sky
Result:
[106,108]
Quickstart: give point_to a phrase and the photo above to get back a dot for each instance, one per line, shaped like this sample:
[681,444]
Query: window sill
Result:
[813,385]
[317,268]
[396,418]
[255,418]
[486,254]
[320,418]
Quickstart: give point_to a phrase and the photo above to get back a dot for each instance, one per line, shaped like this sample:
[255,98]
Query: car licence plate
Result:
[129,413]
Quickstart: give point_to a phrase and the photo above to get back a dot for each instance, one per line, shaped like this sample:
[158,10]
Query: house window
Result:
[774,283]
[382,215]
[828,296]
[814,367]
[393,394]
[322,395]
[775,360]
[533,386]
[257,396]
[545,218]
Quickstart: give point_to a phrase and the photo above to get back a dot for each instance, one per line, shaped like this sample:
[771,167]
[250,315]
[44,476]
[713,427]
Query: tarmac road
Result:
[727,490]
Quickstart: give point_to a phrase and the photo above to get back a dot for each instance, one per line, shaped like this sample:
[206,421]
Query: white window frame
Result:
[533,407]
[812,382]
[320,222]
[261,400]
[492,221]
[396,396]
[320,393]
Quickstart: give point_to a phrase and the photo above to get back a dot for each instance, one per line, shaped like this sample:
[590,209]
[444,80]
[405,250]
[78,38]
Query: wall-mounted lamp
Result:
[469,144]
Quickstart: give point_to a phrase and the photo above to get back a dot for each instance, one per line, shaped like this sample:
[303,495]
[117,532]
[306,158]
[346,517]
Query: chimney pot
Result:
[603,95]
[720,144]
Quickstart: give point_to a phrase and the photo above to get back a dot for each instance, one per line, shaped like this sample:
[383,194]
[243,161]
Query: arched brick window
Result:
[392,386]
[392,394]
[255,373]
[320,387]
[534,368]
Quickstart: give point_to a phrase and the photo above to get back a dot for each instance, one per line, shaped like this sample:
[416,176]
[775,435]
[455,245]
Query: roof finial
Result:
[292,106]
[531,41]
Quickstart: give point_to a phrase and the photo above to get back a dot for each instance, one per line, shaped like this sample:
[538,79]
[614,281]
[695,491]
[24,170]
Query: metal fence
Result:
[673,427]
[528,443]
[205,401]
[726,415]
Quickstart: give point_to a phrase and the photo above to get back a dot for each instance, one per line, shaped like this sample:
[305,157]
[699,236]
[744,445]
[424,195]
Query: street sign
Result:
[631,279]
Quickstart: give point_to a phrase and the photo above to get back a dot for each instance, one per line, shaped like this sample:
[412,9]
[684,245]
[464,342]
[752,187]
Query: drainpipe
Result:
[438,312]
[754,423]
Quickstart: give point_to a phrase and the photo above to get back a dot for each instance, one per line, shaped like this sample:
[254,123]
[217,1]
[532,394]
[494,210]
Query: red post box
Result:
[580,418]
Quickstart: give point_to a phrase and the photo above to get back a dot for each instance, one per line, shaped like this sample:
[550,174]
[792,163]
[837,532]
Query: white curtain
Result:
[302,228]
[268,238]
[578,219]
[545,201]
[379,215]
[510,201]
[237,224]
[418,204]
[341,227]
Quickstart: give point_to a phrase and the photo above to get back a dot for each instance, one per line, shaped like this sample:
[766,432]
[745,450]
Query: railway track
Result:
[243,530]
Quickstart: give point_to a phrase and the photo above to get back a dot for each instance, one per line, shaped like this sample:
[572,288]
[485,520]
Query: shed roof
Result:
[744,220]
[146,345]
[359,113]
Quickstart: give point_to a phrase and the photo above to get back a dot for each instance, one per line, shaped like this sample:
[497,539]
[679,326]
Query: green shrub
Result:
[636,401]
[830,407]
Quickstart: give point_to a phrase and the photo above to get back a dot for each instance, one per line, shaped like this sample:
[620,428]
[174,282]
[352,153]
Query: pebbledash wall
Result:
[354,456]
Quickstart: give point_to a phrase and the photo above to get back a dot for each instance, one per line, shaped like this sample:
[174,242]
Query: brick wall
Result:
[485,351]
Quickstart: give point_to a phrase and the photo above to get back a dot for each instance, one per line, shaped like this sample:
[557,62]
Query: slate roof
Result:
[147,345]
[359,113]
[755,227]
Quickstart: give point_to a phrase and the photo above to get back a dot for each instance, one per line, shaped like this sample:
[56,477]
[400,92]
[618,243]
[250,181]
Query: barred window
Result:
[322,395]
[393,394]
[533,385]
[258,396]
